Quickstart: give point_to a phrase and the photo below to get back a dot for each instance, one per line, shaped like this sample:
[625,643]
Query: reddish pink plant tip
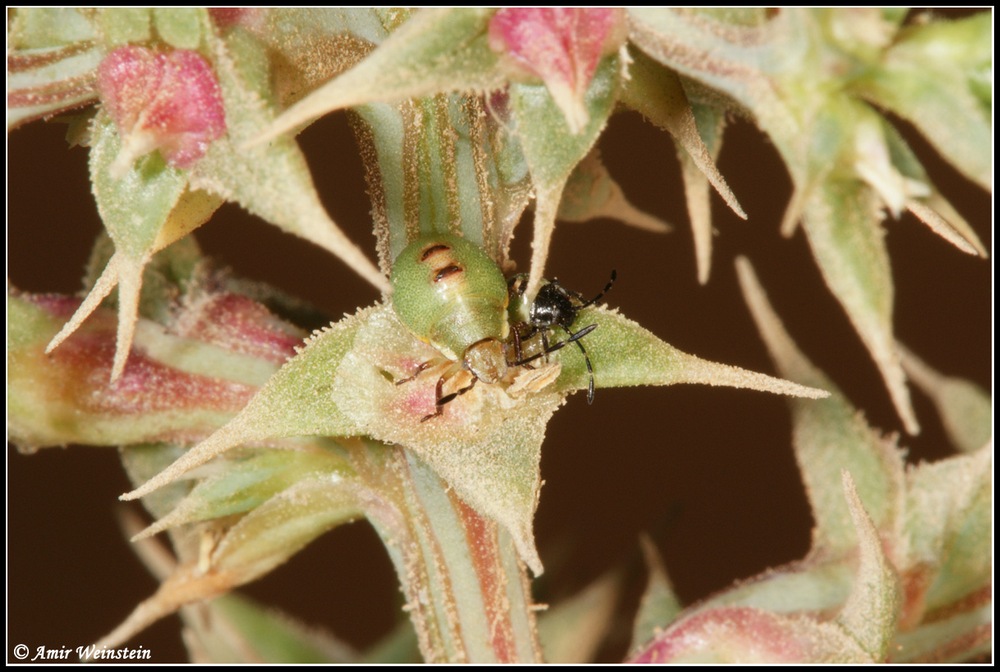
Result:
[58,305]
[168,101]
[239,324]
[146,386]
[560,45]
[735,634]
[227,16]
[252,18]
[555,41]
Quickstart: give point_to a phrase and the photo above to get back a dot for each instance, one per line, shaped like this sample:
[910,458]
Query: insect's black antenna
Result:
[614,276]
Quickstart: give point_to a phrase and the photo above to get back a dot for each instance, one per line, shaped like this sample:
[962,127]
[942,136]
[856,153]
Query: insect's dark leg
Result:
[440,401]
[457,393]
[517,343]
[420,369]
[438,391]
[573,338]
[518,338]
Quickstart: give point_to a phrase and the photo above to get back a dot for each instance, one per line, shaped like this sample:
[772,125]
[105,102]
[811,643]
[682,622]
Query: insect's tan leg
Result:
[420,369]
[440,401]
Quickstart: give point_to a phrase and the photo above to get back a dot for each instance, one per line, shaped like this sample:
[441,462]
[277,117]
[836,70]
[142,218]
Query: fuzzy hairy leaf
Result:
[272,180]
[966,410]
[280,527]
[935,518]
[572,630]
[166,212]
[657,93]
[488,448]
[133,206]
[245,484]
[738,60]
[240,630]
[296,401]
[552,149]
[486,445]
[861,632]
[932,208]
[659,606]
[260,541]
[337,387]
[435,51]
[932,76]
[751,636]
[592,192]
[841,223]
[128,275]
[624,354]
[711,122]
[949,522]
[871,610]
[811,586]
[830,435]
[801,93]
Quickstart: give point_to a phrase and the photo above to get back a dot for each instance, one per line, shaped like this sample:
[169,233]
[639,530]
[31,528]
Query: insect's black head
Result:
[552,307]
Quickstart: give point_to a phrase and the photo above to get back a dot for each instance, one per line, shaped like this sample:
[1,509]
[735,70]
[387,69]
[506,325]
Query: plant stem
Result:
[467,592]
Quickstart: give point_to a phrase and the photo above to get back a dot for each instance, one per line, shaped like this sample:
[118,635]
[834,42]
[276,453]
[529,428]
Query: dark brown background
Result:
[707,472]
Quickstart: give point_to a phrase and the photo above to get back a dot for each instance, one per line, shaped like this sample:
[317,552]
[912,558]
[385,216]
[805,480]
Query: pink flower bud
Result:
[238,324]
[743,635]
[560,45]
[251,18]
[227,16]
[65,396]
[168,101]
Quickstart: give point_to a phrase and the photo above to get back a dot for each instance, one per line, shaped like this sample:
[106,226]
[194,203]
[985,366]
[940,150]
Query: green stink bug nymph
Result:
[451,295]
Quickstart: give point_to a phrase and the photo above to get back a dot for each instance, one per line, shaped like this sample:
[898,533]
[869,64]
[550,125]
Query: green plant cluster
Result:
[246,434]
